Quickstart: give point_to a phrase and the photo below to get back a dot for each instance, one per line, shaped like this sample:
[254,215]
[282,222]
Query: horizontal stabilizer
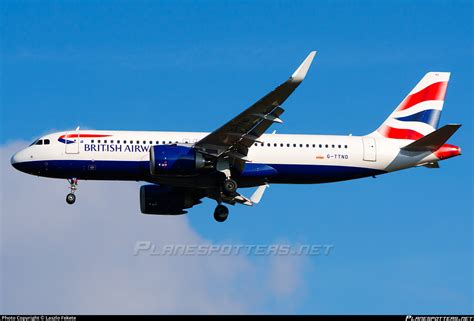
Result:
[433,141]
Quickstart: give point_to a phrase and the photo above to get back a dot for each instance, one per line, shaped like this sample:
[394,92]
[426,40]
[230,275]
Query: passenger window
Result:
[98,141]
[333,146]
[294,145]
[320,146]
[314,145]
[92,141]
[275,144]
[131,142]
[327,146]
[307,145]
[268,144]
[301,145]
[345,146]
[287,145]
[281,145]
[338,146]
[105,141]
[144,142]
[263,144]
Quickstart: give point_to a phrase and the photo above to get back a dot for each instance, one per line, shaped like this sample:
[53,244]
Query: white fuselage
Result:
[124,155]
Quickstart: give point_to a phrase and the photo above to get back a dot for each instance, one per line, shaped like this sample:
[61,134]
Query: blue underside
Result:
[140,171]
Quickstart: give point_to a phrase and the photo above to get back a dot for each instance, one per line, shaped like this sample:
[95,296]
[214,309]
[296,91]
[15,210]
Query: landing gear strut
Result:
[71,198]
[229,186]
[221,213]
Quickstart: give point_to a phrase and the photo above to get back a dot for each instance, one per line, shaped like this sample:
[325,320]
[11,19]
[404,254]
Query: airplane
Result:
[182,168]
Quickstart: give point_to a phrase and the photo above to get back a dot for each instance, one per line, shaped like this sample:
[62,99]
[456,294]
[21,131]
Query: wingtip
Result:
[456,125]
[302,70]
[258,194]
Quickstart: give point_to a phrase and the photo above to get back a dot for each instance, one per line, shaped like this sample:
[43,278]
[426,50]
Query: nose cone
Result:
[14,160]
[18,160]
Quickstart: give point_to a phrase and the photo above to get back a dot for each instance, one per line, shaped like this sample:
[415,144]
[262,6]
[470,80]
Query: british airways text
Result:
[116,148]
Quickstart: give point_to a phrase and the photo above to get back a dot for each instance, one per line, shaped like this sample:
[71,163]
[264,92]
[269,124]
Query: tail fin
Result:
[418,114]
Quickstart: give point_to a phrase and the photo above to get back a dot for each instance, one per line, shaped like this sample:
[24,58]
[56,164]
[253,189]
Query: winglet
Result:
[300,73]
[257,195]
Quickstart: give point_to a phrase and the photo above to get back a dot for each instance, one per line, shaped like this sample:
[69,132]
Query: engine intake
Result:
[175,159]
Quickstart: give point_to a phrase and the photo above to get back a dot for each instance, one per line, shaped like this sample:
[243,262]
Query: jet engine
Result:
[174,159]
[165,200]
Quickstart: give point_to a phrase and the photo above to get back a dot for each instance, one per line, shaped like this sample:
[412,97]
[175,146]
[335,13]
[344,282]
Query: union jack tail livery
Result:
[418,114]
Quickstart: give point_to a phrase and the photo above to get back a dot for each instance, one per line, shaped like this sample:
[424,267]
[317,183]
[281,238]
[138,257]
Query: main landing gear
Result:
[71,198]
[230,186]
[221,213]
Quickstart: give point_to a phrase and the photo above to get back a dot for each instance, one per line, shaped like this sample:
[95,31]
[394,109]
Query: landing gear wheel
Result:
[70,198]
[230,186]
[220,213]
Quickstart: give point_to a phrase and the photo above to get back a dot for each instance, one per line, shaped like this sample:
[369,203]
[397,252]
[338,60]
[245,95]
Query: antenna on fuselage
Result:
[77,129]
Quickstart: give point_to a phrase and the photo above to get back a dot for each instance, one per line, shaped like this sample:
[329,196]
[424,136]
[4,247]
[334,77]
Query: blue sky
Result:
[403,242]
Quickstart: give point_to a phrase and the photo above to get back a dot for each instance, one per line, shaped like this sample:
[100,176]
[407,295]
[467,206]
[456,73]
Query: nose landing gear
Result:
[71,198]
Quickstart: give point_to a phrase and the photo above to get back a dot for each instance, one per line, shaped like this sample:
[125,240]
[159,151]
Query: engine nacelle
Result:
[165,200]
[174,159]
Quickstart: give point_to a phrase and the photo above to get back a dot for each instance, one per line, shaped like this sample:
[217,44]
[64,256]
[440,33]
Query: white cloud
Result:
[58,258]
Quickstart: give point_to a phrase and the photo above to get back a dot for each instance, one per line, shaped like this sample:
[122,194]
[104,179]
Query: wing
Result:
[235,137]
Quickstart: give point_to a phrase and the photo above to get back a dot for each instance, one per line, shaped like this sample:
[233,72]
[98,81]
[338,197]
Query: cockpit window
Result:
[41,142]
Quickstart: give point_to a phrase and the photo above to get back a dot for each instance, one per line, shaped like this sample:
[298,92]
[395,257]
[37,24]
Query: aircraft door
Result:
[370,151]
[72,142]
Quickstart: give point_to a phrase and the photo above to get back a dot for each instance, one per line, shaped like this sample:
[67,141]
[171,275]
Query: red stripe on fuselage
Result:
[83,136]
[435,91]
[398,133]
